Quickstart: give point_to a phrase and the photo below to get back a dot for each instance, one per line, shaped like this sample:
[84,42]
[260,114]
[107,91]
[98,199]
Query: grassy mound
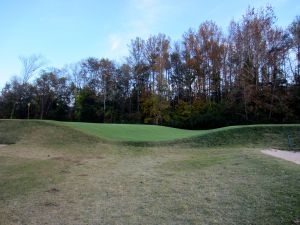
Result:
[41,133]
[264,136]
[252,135]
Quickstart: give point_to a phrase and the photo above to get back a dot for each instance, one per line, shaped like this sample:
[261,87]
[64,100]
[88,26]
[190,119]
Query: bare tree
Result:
[295,33]
[30,66]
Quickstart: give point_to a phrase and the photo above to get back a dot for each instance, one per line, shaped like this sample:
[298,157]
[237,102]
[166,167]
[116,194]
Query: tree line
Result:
[250,74]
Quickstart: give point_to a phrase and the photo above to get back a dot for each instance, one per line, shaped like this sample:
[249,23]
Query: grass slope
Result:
[54,174]
[215,137]
[132,132]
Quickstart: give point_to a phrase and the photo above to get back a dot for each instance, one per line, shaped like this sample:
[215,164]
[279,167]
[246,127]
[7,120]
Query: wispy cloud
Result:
[116,45]
[144,14]
[115,41]
[142,18]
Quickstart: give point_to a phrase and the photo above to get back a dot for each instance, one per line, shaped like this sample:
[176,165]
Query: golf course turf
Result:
[81,173]
[132,132]
[153,133]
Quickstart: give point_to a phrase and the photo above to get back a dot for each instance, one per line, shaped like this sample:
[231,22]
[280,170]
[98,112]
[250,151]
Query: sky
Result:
[67,31]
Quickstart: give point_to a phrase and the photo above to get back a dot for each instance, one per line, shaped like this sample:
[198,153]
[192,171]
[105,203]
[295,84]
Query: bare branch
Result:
[30,66]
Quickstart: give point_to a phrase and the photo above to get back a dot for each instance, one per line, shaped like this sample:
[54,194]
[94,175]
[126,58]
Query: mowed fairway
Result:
[51,173]
[132,132]
[136,133]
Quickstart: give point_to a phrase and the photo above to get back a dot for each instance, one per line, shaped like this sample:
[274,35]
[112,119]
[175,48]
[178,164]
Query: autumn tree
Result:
[53,96]
[208,78]
[139,71]
[294,30]
[107,72]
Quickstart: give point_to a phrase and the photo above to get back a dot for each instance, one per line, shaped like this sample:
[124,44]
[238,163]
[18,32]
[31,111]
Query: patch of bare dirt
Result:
[65,171]
[66,159]
[83,175]
[287,155]
[52,190]
[27,152]
[50,204]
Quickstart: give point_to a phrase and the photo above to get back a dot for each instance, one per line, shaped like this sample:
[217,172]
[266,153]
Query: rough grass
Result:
[53,174]
[258,136]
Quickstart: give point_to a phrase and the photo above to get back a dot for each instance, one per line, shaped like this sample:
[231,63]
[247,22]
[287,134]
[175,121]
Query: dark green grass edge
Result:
[260,135]
[267,136]
[254,136]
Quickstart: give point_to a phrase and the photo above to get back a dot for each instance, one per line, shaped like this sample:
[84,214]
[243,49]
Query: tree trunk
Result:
[13,111]
[104,107]
[42,109]
[245,103]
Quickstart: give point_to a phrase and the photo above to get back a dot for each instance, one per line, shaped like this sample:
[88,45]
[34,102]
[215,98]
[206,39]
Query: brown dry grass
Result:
[89,182]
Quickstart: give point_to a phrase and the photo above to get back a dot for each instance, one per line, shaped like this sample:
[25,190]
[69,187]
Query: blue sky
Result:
[66,31]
